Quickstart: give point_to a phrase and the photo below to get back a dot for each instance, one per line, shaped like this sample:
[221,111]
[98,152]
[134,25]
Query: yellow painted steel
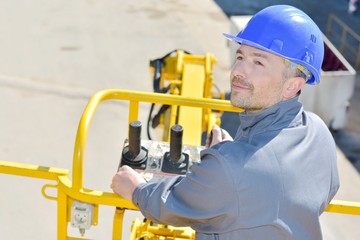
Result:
[44,193]
[74,238]
[31,170]
[190,76]
[62,215]
[148,231]
[117,223]
[172,122]
[135,229]
[191,118]
[345,207]
[133,111]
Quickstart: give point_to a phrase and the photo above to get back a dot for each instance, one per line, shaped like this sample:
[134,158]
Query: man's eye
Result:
[239,57]
[259,63]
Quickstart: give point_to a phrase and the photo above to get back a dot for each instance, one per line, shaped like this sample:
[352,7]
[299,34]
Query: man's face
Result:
[256,79]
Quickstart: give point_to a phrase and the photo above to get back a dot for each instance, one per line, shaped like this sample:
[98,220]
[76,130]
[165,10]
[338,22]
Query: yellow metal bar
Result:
[80,141]
[117,224]
[75,238]
[142,230]
[179,63]
[190,118]
[173,116]
[168,119]
[45,195]
[209,61]
[93,196]
[133,111]
[345,207]
[31,170]
[179,232]
[176,83]
[194,58]
[135,228]
[62,216]
[166,99]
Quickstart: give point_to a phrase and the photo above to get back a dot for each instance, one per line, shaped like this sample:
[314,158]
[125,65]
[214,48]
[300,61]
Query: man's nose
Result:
[239,70]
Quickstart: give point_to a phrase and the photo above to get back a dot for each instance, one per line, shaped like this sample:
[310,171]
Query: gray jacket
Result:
[272,182]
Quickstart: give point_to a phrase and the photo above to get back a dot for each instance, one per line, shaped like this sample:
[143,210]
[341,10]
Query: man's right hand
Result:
[125,181]
[218,135]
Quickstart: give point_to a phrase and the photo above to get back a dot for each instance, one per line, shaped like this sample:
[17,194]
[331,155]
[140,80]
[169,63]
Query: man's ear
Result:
[292,87]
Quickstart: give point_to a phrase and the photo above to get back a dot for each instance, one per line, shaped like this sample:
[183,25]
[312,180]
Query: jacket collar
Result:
[281,115]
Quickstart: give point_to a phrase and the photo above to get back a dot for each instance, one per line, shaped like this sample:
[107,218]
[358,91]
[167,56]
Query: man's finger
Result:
[216,135]
[226,135]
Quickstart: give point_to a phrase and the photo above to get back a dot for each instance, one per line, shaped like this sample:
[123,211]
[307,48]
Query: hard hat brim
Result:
[313,81]
[233,38]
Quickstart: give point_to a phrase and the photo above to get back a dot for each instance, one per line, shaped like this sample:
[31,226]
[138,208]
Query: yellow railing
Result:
[134,98]
[346,30]
[69,191]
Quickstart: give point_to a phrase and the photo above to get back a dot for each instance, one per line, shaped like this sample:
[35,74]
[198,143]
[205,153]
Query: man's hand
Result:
[219,135]
[125,181]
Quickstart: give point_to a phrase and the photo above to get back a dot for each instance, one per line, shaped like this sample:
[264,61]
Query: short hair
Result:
[290,72]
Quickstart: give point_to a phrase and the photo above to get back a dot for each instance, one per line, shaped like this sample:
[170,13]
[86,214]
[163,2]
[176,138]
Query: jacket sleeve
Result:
[204,199]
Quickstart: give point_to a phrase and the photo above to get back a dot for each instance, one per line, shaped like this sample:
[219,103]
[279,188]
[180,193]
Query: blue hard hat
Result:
[287,32]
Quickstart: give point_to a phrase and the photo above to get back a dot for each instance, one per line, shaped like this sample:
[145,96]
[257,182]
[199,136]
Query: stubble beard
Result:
[239,101]
[236,98]
[250,103]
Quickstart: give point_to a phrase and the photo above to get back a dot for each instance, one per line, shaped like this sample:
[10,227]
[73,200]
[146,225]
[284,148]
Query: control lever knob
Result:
[175,161]
[134,138]
[134,155]
[176,136]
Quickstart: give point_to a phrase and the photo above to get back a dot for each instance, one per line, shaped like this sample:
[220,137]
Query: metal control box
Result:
[155,159]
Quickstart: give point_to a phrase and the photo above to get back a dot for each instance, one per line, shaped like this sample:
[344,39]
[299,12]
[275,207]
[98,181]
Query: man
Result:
[279,173]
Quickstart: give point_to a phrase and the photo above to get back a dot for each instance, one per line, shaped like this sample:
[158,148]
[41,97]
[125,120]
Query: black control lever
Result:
[175,161]
[134,155]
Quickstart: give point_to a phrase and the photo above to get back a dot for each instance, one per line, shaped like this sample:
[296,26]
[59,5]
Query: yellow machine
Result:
[179,73]
[188,80]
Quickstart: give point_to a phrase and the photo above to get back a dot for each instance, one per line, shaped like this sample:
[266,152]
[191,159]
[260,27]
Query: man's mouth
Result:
[240,85]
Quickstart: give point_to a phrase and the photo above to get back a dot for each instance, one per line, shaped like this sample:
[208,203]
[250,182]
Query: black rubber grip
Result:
[176,142]
[134,138]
